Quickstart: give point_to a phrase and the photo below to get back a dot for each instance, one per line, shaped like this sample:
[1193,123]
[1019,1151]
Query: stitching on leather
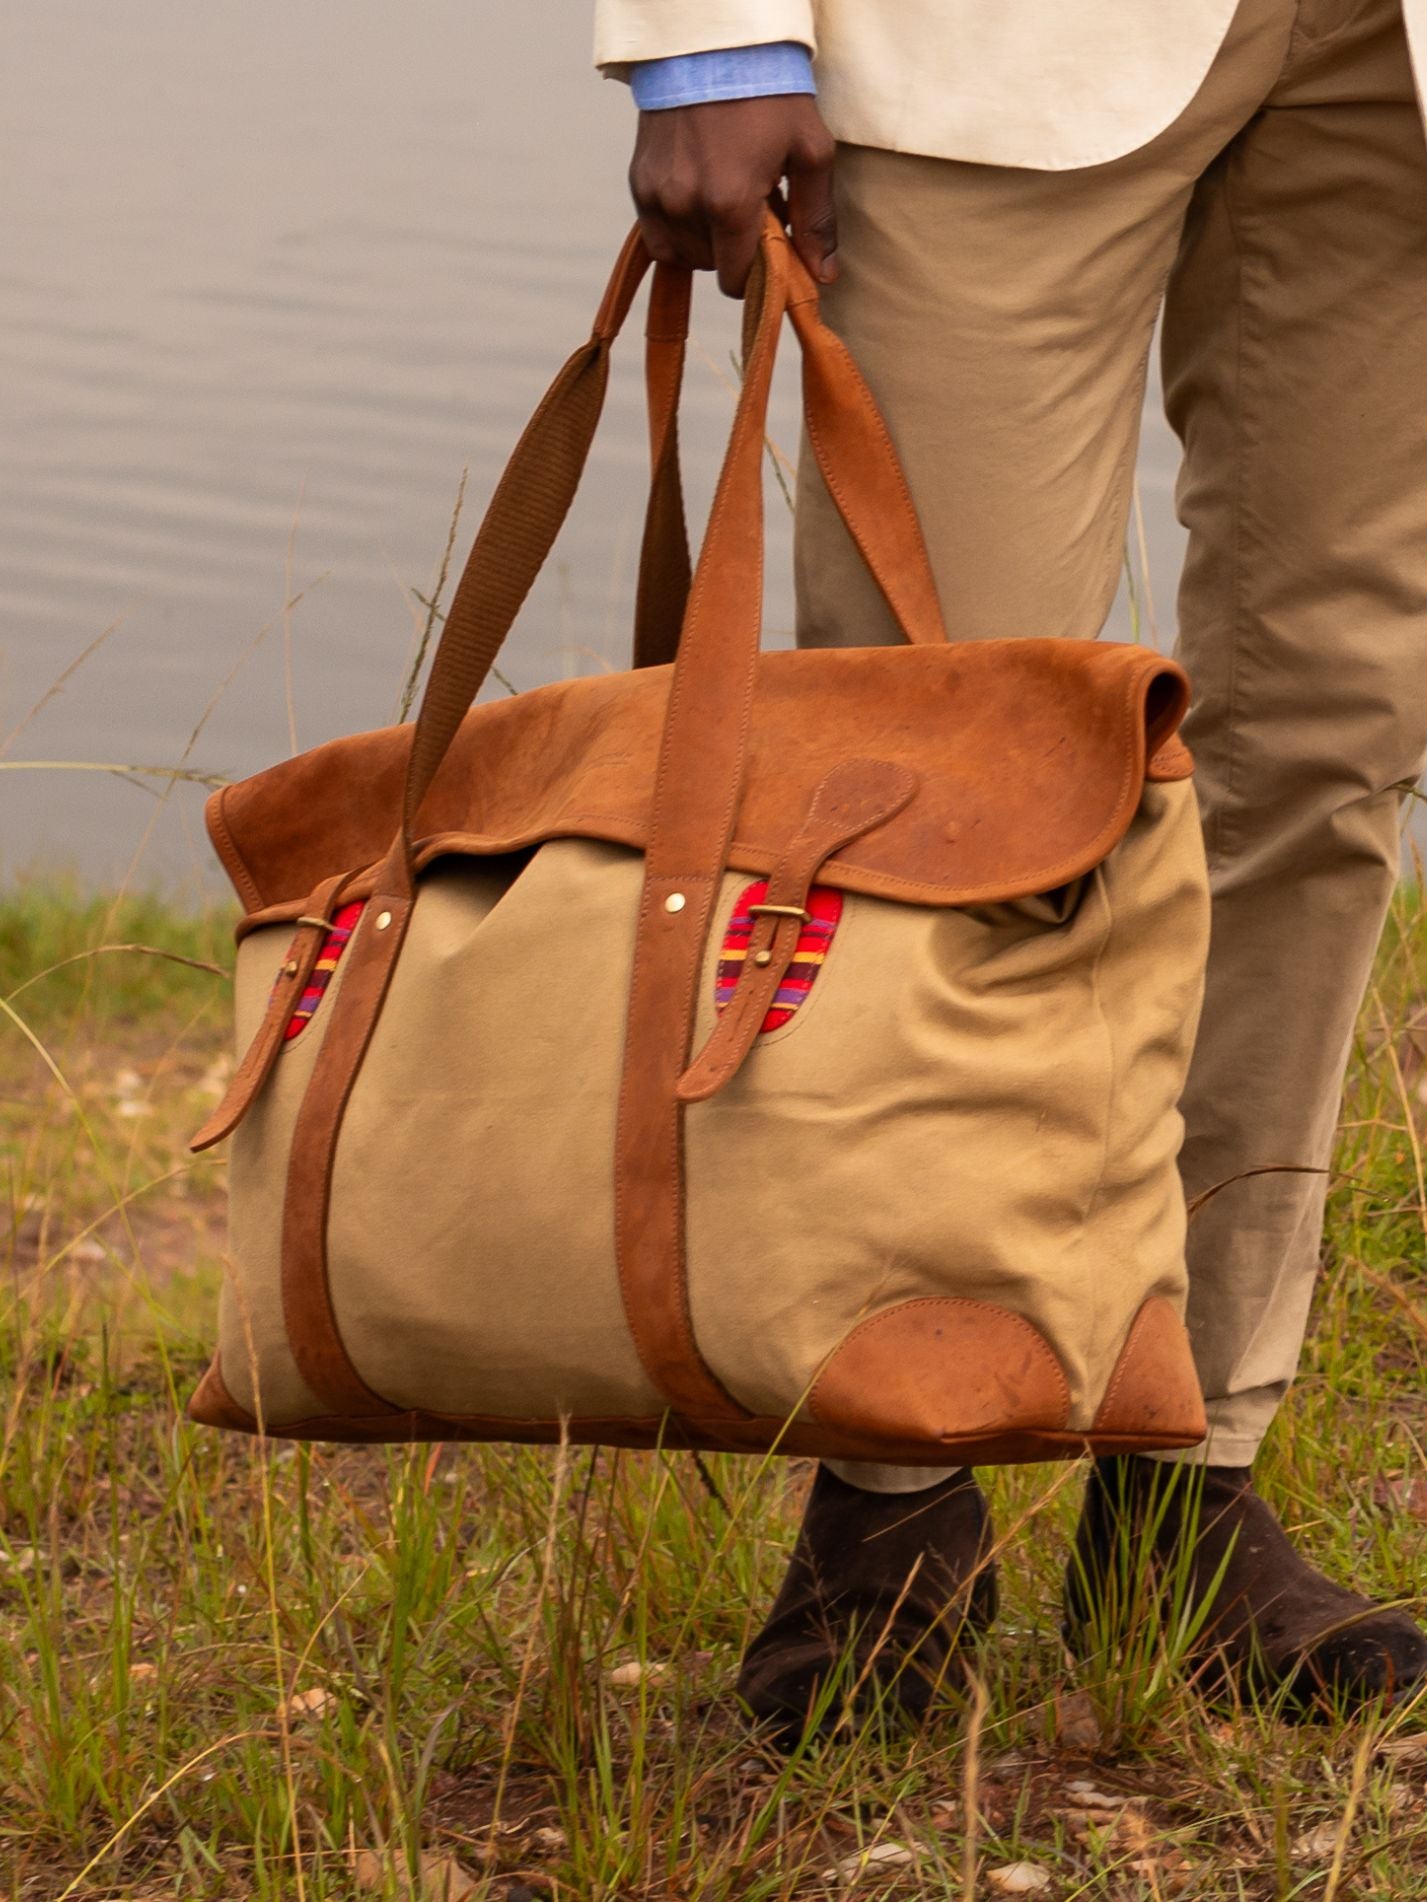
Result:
[617,829]
[227,848]
[843,869]
[1122,1360]
[918,891]
[875,1321]
[892,592]
[633,1315]
[873,416]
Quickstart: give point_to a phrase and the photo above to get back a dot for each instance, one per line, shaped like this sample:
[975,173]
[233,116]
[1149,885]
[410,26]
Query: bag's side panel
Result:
[977,1107]
[471,1235]
[253,1348]
[931,1124]
[1150,984]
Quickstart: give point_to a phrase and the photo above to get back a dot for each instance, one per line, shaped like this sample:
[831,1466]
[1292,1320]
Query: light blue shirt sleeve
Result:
[732,72]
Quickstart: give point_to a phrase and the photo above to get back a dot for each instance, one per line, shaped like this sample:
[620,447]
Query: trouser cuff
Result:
[873,1477]
[1219,1448]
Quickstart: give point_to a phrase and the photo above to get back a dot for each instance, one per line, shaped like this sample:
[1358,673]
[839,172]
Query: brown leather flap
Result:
[1030,754]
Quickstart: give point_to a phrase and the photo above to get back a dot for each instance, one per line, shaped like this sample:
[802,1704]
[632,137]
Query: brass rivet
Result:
[290,968]
[676,901]
[383,920]
[762,957]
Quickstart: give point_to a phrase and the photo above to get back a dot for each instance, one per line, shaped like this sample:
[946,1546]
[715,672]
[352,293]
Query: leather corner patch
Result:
[939,1369]
[824,909]
[212,1404]
[1154,1388]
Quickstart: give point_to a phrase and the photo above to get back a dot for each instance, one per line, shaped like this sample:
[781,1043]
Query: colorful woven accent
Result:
[343,925]
[814,939]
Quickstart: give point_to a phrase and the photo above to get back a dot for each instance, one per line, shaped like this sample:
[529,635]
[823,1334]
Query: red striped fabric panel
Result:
[814,939]
[344,924]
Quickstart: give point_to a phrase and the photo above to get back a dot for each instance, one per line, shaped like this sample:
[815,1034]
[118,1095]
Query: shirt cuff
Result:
[732,72]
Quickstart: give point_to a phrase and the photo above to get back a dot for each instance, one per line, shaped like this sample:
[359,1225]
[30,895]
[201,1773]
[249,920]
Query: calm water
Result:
[272,276]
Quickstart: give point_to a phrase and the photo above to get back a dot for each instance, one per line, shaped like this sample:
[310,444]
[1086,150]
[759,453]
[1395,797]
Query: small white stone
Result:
[1316,1845]
[882,1856]
[625,1676]
[1018,1878]
[306,1704]
[1089,1798]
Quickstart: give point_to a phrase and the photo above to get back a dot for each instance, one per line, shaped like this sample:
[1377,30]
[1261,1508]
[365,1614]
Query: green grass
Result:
[453,1619]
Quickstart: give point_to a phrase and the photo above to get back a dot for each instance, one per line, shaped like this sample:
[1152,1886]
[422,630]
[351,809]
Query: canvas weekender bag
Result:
[747,1051]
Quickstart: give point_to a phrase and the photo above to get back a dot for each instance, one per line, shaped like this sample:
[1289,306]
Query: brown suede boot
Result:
[883,1587]
[1273,1622]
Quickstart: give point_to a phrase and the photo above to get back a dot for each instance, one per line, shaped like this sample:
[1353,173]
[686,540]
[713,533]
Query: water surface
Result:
[273,276]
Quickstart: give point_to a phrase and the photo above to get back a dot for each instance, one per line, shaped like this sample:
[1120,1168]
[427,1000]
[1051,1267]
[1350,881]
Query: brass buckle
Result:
[780,911]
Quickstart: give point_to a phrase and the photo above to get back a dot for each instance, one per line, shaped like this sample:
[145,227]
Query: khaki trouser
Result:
[1003,319]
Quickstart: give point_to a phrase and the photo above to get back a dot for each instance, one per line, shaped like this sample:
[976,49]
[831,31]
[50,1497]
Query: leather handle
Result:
[524,516]
[860,466]
[877,508]
[665,570]
[534,494]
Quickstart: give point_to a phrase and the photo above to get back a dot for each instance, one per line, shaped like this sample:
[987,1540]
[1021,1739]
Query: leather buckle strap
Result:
[853,799]
[262,1053]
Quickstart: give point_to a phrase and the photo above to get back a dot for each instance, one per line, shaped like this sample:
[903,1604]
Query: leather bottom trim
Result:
[942,1368]
[213,1405]
[1154,1379]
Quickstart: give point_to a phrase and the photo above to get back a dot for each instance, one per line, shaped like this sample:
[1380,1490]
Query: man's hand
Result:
[702,177]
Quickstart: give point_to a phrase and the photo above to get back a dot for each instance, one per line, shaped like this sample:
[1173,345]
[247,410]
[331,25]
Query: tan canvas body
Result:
[937,1209]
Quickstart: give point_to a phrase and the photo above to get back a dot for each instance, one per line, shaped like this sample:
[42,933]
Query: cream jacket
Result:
[1052,84]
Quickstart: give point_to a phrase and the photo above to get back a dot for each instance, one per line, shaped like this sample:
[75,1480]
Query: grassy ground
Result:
[298,1672]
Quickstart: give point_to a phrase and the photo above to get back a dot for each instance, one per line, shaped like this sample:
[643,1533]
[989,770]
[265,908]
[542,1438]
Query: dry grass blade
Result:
[289,602]
[1197,1202]
[1361,1759]
[57,686]
[125,771]
[131,1822]
[138,950]
[429,603]
[971,1782]
[434,616]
